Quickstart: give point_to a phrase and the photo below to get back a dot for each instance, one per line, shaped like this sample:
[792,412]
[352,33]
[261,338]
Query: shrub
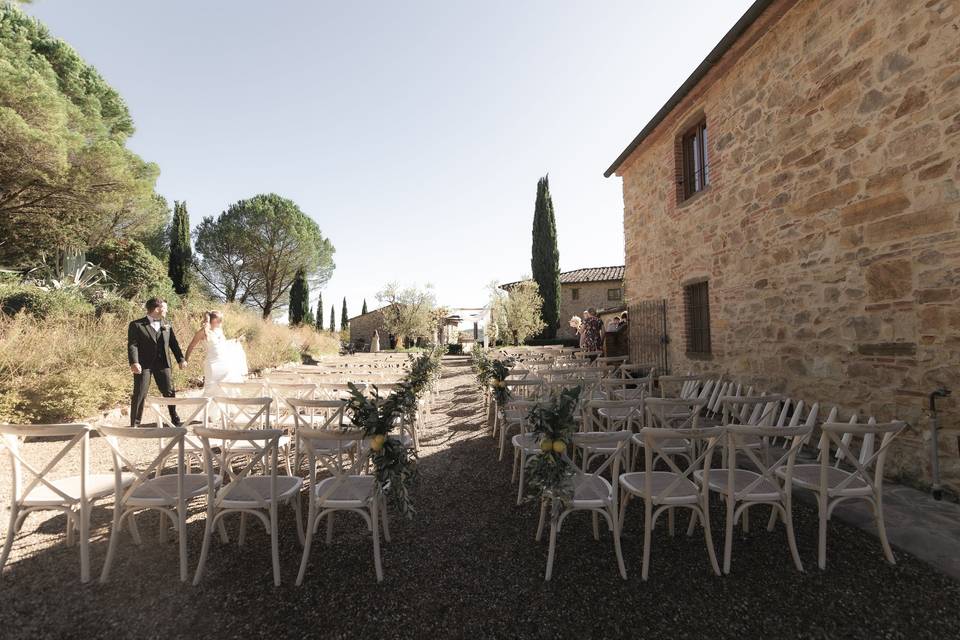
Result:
[42,303]
[136,272]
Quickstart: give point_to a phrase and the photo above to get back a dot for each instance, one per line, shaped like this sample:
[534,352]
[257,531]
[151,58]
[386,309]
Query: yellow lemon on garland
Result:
[559,446]
[546,445]
[376,442]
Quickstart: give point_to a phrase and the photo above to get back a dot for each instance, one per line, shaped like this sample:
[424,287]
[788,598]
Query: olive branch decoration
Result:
[394,464]
[550,473]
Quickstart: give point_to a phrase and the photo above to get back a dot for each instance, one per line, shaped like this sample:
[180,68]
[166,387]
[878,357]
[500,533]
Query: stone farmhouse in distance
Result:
[796,205]
[598,287]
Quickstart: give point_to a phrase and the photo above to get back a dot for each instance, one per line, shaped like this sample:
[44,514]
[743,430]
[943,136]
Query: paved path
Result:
[467,567]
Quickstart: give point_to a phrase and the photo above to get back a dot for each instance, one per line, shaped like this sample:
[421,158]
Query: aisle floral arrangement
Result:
[550,474]
[395,465]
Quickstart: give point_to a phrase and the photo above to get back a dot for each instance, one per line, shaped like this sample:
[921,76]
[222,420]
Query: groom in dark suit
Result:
[148,342]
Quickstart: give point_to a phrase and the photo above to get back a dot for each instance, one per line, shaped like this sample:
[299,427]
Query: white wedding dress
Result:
[226,361]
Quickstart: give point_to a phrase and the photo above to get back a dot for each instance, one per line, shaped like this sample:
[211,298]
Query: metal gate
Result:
[648,334]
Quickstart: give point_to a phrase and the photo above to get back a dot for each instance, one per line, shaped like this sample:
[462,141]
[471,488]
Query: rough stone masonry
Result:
[829,234]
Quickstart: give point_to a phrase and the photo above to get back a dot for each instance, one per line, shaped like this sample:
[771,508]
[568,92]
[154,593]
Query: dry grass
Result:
[69,368]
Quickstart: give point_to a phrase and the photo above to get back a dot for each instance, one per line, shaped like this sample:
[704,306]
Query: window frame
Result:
[618,295]
[696,305]
[574,293]
[694,160]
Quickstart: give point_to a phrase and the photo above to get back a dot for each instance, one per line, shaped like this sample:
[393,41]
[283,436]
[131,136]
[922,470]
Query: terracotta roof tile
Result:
[589,274]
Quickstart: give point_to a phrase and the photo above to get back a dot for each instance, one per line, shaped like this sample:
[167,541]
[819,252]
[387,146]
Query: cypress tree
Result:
[344,319]
[545,262]
[364,310]
[333,320]
[299,298]
[320,313]
[181,255]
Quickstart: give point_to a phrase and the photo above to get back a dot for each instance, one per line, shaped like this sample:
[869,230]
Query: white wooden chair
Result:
[280,393]
[745,488]
[192,411]
[676,414]
[34,487]
[679,386]
[249,389]
[525,444]
[168,494]
[243,491]
[834,485]
[675,487]
[591,492]
[347,488]
[522,390]
[314,414]
[608,415]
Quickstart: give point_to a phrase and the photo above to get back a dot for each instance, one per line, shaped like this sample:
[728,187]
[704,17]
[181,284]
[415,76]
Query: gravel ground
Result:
[468,566]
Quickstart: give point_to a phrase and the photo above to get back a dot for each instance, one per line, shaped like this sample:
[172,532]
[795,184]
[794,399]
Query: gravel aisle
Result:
[467,566]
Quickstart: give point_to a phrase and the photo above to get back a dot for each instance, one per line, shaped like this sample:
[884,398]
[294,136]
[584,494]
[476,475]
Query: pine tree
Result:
[320,312]
[333,320]
[545,261]
[364,310]
[299,298]
[344,318]
[181,255]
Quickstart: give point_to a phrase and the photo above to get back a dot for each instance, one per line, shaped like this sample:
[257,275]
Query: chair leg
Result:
[694,519]
[616,543]
[623,511]
[882,530]
[162,533]
[772,522]
[647,536]
[205,549]
[298,514]
[503,440]
[553,548]
[11,533]
[274,543]
[222,530]
[596,525]
[791,539]
[822,535]
[543,516]
[513,472]
[330,528]
[112,546]
[523,475]
[242,536]
[85,543]
[308,540]
[670,521]
[182,539]
[377,565]
[134,529]
[728,534]
[708,538]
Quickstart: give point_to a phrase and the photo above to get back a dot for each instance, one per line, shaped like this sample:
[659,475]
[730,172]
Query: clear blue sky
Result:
[412,132]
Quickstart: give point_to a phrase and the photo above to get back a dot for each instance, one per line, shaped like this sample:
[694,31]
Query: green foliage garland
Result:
[550,474]
[394,464]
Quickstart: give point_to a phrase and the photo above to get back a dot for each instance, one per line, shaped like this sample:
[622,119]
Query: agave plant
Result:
[57,277]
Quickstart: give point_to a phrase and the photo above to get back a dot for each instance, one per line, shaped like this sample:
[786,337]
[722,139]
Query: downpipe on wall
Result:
[937,488]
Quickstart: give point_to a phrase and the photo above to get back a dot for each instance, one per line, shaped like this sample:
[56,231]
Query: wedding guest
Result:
[591,336]
[149,340]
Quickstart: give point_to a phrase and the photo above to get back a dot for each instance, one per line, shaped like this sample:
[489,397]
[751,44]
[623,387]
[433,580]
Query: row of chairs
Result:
[745,426]
[240,461]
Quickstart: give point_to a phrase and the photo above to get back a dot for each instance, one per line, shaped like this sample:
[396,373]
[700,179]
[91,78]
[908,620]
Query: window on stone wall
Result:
[575,294]
[696,302]
[614,294]
[695,164]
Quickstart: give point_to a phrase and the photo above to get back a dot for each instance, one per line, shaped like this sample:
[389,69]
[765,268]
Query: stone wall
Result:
[592,294]
[362,328]
[830,232]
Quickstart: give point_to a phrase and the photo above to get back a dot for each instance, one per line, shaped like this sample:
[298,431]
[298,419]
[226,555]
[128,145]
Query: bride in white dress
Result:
[225,359]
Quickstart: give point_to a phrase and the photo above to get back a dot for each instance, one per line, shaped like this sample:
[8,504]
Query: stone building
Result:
[796,205]
[362,328]
[598,287]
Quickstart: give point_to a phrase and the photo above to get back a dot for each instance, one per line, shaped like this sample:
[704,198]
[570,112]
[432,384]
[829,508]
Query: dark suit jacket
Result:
[142,347]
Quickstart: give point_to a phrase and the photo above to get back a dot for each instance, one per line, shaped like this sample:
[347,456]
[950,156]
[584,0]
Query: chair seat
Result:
[526,442]
[590,490]
[685,491]
[244,493]
[352,491]
[808,477]
[150,493]
[719,481]
[243,446]
[98,485]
